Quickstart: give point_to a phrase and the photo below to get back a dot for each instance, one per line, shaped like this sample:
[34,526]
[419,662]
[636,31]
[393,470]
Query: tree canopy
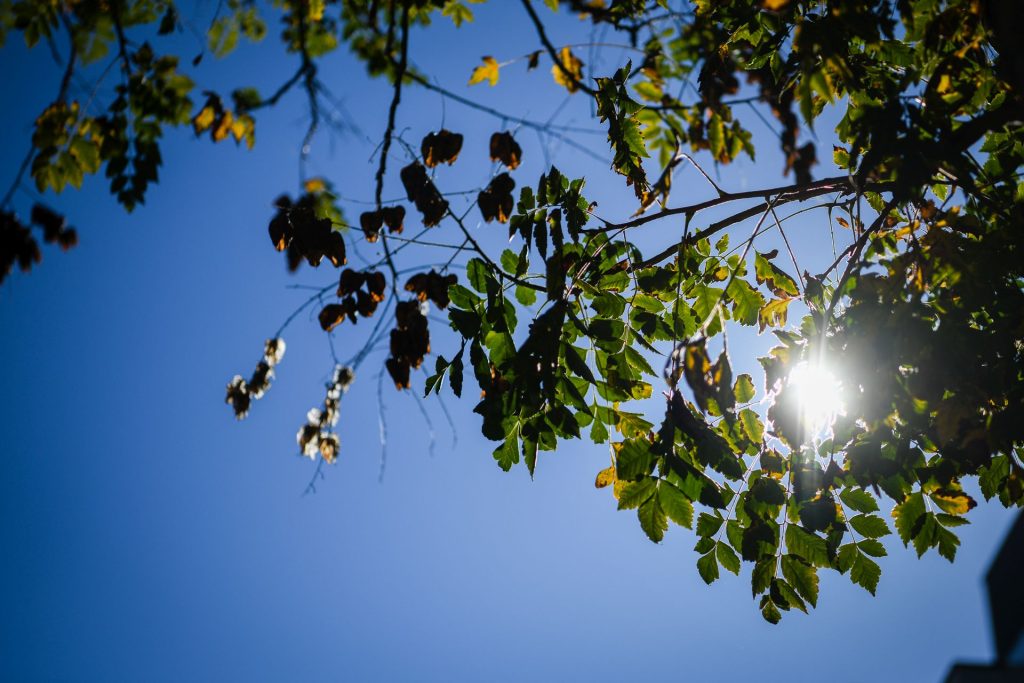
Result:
[897,374]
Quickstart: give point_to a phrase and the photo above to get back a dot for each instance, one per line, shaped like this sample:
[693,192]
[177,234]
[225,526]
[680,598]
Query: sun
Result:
[819,396]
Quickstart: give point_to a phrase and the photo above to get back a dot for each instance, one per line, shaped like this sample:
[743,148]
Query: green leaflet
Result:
[707,567]
[870,526]
[802,576]
[676,505]
[865,573]
[653,519]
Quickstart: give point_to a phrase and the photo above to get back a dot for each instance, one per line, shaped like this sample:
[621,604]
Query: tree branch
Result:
[546,42]
[389,133]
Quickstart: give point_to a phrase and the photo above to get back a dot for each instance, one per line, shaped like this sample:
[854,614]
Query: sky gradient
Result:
[148,535]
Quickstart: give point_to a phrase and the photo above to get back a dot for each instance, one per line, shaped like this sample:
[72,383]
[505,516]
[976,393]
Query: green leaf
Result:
[871,526]
[859,500]
[433,383]
[951,521]
[841,157]
[728,558]
[767,273]
[457,12]
[716,138]
[455,374]
[507,454]
[818,514]
[636,493]
[993,475]
[752,425]
[744,388]
[652,519]
[907,513]
[675,504]
[770,612]
[865,573]
[846,556]
[462,297]
[631,424]
[947,542]
[802,577]
[810,547]
[708,525]
[478,273]
[509,260]
[746,301]
[872,547]
[574,358]
[924,534]
[633,459]
[762,575]
[707,567]
[526,295]
[704,545]
[789,595]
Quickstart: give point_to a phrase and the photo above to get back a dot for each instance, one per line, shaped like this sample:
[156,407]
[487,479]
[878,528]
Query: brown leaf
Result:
[350,281]
[422,192]
[371,222]
[375,285]
[393,218]
[505,149]
[441,147]
[496,201]
[399,371]
[331,316]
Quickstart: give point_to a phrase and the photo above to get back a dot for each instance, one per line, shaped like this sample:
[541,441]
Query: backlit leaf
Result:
[865,573]
[675,504]
[488,71]
[870,526]
[802,577]
[707,567]
[652,519]
[570,73]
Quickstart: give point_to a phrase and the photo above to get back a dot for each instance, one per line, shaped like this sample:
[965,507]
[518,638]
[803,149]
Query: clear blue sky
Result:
[147,535]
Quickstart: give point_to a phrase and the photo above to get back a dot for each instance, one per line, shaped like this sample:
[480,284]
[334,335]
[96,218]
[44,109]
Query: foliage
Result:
[920,312]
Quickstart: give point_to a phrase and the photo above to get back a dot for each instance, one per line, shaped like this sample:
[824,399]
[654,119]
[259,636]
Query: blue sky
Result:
[147,535]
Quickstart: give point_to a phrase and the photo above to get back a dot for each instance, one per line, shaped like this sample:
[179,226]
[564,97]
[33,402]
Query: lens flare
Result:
[819,396]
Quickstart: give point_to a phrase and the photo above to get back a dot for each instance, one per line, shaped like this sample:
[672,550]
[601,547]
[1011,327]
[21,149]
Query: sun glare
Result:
[818,394]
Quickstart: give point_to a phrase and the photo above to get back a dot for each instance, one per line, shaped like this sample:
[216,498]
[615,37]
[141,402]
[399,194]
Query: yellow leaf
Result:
[203,120]
[573,65]
[774,5]
[608,476]
[773,314]
[314,185]
[316,9]
[223,127]
[249,130]
[953,502]
[242,129]
[488,71]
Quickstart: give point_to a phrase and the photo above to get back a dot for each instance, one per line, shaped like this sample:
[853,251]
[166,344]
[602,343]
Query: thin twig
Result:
[546,42]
